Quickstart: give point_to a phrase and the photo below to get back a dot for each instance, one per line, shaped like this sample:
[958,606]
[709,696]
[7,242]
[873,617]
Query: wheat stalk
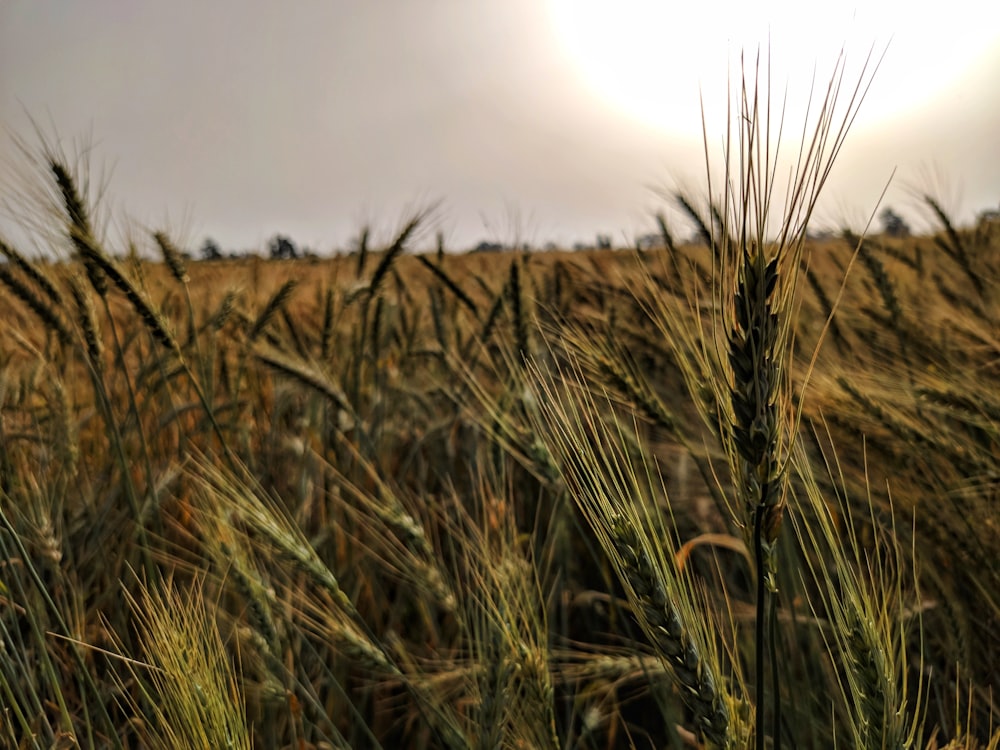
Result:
[172,257]
[45,312]
[188,685]
[864,602]
[605,488]
[33,273]
[277,302]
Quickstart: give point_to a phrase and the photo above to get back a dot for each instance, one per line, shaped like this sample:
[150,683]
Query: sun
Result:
[652,60]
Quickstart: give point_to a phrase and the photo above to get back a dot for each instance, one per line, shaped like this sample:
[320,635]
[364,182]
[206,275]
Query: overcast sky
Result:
[240,119]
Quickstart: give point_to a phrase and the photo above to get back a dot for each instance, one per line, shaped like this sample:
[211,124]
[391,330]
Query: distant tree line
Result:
[279,247]
[282,247]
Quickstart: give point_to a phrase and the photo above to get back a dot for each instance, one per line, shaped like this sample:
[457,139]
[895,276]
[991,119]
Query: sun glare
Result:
[649,59]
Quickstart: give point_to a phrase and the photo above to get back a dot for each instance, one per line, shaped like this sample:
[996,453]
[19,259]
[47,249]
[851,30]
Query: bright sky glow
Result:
[648,58]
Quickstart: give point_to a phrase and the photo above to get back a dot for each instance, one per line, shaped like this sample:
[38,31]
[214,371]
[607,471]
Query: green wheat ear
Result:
[619,510]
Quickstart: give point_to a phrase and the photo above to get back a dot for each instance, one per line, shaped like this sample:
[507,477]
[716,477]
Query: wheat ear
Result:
[618,508]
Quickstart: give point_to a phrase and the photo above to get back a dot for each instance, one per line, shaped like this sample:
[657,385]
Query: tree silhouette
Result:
[282,248]
[210,250]
[893,224]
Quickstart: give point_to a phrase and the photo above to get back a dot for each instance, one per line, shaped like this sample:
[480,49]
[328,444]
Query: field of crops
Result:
[690,496]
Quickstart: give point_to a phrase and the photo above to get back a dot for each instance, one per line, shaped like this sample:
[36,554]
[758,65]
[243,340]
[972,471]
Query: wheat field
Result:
[739,493]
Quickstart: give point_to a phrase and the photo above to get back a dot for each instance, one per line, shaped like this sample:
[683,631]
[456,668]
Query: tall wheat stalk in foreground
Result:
[752,324]
[737,366]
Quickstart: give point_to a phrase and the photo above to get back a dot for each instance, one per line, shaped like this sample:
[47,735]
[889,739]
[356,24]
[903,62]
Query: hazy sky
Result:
[530,121]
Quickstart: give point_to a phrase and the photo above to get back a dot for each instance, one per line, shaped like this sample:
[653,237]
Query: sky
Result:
[515,120]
